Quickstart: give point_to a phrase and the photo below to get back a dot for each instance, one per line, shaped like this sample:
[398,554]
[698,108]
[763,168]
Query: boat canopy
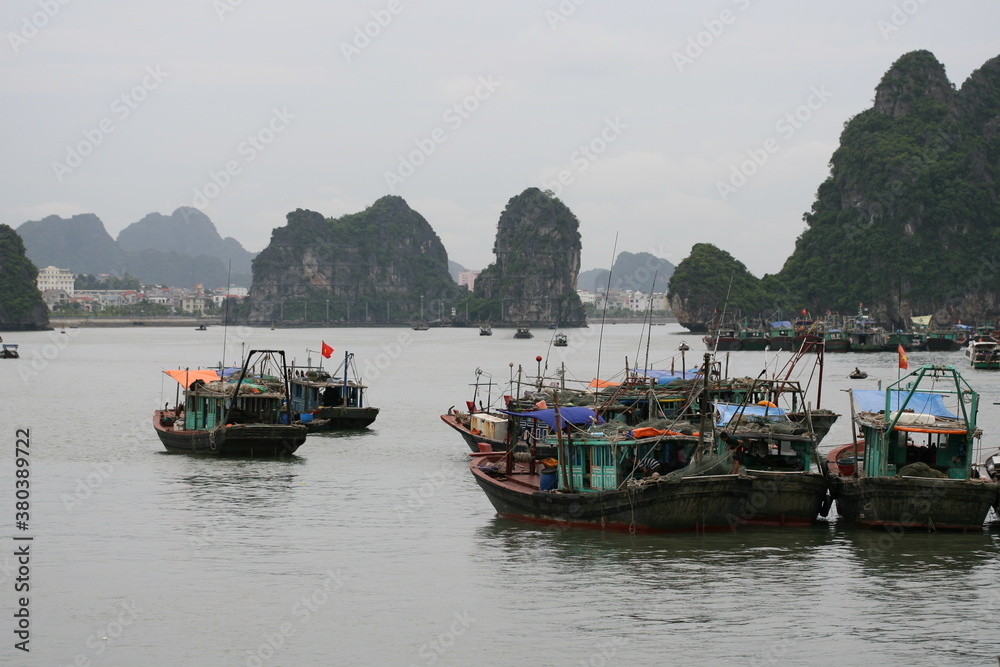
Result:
[922,320]
[784,324]
[873,400]
[186,377]
[603,384]
[575,415]
[727,411]
[666,377]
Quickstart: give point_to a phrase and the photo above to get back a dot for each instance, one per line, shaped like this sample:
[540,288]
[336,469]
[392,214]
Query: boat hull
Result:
[244,440]
[942,345]
[473,439]
[914,502]
[341,417]
[786,498]
[690,504]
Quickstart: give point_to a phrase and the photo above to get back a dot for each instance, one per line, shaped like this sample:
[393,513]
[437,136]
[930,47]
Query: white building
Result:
[468,278]
[52,277]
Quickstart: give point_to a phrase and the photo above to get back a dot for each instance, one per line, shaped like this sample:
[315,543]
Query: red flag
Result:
[902,358]
[326,350]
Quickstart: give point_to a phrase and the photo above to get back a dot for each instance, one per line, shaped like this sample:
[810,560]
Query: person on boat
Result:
[738,448]
[644,467]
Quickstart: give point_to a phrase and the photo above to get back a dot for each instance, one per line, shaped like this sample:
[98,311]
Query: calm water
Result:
[378,547]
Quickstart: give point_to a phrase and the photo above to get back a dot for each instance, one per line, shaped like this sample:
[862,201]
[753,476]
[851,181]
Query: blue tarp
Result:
[873,400]
[568,415]
[729,410]
[784,324]
[666,377]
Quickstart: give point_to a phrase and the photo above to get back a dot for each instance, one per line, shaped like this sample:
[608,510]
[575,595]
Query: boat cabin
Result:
[919,428]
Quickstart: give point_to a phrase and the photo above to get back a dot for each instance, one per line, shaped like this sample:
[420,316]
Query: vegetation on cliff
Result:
[376,266]
[21,305]
[714,277]
[533,280]
[907,221]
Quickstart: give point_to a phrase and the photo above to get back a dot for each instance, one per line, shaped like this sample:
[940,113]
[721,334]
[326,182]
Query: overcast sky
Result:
[668,124]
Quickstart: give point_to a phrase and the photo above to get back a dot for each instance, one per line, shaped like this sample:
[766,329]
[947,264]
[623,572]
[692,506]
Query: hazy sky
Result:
[669,123]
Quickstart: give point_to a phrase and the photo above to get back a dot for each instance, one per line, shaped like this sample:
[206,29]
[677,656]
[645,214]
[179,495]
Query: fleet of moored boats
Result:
[660,451]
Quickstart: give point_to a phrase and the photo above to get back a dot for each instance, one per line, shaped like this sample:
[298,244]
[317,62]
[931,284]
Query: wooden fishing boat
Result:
[723,340]
[332,401]
[594,486]
[752,339]
[836,341]
[485,330]
[249,417]
[911,463]
[522,332]
[560,340]
[788,488]
[949,340]
[782,337]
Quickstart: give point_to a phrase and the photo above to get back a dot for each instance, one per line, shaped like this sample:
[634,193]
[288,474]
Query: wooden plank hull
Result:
[691,504]
[786,498]
[341,417]
[914,502]
[472,439]
[249,440]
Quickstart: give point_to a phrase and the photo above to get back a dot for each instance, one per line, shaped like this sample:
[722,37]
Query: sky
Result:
[660,125]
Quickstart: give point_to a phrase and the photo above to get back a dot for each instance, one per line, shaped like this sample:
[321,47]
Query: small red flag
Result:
[327,350]
[902,358]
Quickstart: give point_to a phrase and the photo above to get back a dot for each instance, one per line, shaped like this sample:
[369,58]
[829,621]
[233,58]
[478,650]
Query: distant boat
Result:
[857,374]
[560,340]
[201,327]
[420,326]
[522,332]
[485,330]
[9,351]
[983,351]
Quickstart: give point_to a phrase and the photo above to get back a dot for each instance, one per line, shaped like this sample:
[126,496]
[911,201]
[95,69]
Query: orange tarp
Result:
[185,378]
[603,383]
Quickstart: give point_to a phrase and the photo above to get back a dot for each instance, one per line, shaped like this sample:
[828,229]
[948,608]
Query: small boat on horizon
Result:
[522,332]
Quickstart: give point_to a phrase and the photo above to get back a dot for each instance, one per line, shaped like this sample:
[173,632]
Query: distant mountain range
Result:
[631,271]
[181,249]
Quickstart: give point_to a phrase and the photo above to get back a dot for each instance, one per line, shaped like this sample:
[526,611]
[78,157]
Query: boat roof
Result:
[873,400]
[728,411]
[185,376]
[573,415]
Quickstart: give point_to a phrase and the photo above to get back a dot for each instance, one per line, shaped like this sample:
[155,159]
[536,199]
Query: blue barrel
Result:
[305,417]
[549,479]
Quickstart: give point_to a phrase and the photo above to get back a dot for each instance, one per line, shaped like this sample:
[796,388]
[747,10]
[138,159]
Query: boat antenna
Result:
[225,321]
[648,323]
[604,315]
[725,305]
